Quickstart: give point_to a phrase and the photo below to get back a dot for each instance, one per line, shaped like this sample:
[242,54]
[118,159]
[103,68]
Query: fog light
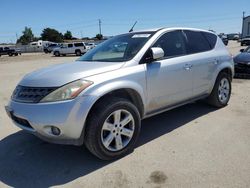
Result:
[55,131]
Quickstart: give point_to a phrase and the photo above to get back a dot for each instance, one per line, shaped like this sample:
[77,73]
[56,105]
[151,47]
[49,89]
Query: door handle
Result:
[187,66]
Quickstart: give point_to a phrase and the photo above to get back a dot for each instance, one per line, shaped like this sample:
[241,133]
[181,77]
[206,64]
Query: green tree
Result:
[99,36]
[67,35]
[52,35]
[27,36]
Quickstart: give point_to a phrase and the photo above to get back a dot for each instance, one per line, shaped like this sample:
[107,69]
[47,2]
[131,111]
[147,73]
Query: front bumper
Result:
[241,68]
[69,116]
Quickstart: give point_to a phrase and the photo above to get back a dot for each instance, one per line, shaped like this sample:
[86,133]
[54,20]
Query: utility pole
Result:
[100,26]
[242,24]
[16,37]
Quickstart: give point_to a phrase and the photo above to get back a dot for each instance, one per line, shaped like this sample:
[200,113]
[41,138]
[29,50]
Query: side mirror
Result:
[157,53]
[241,50]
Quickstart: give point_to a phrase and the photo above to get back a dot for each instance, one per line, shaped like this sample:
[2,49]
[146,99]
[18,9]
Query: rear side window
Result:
[196,42]
[172,44]
[211,38]
[70,45]
[78,44]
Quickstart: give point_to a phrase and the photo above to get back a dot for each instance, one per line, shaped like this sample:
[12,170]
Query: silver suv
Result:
[77,48]
[101,98]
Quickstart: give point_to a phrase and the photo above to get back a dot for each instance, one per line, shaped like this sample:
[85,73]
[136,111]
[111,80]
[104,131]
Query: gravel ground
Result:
[191,146]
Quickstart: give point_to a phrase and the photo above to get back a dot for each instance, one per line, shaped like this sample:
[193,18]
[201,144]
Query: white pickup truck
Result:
[77,48]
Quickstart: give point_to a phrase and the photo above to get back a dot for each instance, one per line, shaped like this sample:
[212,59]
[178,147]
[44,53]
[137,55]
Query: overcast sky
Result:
[81,16]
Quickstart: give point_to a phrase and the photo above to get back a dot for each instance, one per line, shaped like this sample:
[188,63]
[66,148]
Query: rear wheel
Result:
[221,92]
[57,54]
[112,128]
[78,52]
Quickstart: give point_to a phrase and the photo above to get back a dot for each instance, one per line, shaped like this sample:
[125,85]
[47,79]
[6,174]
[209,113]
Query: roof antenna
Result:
[132,28]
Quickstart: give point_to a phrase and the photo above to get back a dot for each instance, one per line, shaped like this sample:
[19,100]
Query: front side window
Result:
[172,44]
[119,48]
[196,42]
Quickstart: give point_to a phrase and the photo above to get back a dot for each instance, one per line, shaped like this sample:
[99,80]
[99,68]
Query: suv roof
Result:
[173,28]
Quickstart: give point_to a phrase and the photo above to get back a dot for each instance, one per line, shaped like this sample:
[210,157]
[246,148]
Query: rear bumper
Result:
[68,116]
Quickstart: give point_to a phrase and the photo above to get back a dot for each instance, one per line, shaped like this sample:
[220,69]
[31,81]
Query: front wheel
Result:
[221,92]
[113,127]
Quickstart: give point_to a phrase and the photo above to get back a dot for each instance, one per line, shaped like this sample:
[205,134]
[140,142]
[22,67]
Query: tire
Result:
[46,51]
[96,135]
[219,97]
[10,54]
[78,52]
[57,54]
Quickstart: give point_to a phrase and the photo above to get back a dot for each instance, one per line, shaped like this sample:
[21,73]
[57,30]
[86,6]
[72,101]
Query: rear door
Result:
[169,80]
[202,58]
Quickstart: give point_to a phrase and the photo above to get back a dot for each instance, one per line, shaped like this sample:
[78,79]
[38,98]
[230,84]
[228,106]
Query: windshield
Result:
[118,49]
[247,49]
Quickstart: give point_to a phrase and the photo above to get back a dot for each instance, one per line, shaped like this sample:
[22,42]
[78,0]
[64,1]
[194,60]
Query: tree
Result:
[52,35]
[99,36]
[67,35]
[27,36]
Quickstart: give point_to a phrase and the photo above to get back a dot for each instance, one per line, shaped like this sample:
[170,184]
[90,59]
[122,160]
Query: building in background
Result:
[246,26]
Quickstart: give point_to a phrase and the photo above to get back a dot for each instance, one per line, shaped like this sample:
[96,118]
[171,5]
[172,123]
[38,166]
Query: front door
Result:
[169,80]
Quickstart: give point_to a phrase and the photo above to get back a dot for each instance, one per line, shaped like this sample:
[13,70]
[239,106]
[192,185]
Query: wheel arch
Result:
[126,93]
[227,69]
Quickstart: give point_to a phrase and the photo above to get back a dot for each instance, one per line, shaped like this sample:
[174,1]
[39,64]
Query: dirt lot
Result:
[192,146]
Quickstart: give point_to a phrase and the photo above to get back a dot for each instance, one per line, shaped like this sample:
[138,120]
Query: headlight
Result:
[68,91]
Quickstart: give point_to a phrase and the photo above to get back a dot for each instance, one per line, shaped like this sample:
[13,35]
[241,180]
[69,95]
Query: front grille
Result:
[243,65]
[30,94]
[20,121]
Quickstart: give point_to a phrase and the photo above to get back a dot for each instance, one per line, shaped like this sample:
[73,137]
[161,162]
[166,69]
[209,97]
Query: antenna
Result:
[132,28]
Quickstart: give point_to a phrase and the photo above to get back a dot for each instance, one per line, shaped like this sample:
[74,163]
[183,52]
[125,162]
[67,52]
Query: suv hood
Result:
[58,75]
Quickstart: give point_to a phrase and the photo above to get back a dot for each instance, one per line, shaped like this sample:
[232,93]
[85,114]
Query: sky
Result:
[81,16]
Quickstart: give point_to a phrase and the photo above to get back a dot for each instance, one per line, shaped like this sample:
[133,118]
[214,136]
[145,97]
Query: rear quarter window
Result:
[196,42]
[211,38]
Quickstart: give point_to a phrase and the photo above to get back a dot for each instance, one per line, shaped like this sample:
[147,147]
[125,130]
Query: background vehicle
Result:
[90,45]
[245,41]
[100,99]
[233,36]
[51,47]
[9,52]
[242,62]
[77,48]
[224,39]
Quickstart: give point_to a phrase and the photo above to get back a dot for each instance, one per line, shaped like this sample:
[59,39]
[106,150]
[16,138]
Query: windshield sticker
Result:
[141,36]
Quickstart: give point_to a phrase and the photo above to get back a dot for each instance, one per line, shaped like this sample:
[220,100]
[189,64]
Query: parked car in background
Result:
[9,51]
[77,48]
[90,45]
[245,41]
[242,62]
[101,99]
[224,38]
[51,47]
[233,36]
